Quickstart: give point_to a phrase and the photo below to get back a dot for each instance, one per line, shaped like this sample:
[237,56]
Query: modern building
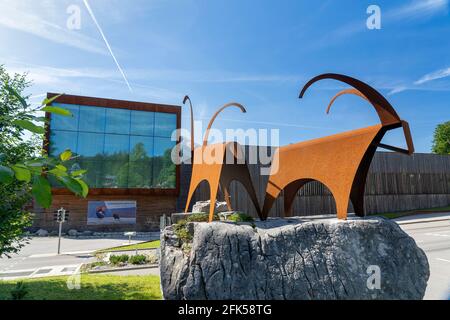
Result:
[126,149]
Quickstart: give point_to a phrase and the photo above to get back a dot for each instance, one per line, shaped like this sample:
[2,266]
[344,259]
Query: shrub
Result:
[181,231]
[123,258]
[201,217]
[240,217]
[138,259]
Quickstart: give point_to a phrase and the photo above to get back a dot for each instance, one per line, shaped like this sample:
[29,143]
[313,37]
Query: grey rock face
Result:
[41,233]
[203,207]
[72,233]
[294,259]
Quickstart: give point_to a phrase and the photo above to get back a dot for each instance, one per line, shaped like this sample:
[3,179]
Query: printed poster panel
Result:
[111,212]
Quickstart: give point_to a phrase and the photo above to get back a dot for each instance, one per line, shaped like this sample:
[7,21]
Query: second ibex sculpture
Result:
[219,164]
[341,161]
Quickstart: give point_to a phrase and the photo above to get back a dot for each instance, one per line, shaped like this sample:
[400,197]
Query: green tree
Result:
[24,167]
[441,141]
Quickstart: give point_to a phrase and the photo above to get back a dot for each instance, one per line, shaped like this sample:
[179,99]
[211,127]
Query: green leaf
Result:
[71,184]
[30,126]
[84,187]
[48,101]
[57,110]
[78,173]
[22,173]
[12,91]
[42,191]
[66,155]
[40,119]
[58,172]
[6,174]
[35,163]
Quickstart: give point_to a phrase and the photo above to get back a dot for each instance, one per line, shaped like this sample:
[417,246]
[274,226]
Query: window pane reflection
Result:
[59,122]
[119,148]
[165,124]
[117,121]
[92,119]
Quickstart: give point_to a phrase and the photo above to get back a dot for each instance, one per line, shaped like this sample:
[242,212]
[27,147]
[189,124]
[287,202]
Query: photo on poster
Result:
[111,212]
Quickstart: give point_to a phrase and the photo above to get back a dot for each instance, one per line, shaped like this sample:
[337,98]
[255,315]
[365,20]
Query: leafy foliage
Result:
[181,228]
[115,260]
[16,118]
[240,217]
[201,217]
[138,259]
[441,141]
[24,167]
[181,231]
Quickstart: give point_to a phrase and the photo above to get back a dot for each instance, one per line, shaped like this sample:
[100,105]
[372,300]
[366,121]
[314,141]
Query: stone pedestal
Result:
[360,258]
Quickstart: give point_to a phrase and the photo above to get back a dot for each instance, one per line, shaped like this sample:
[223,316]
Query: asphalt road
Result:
[42,252]
[434,239]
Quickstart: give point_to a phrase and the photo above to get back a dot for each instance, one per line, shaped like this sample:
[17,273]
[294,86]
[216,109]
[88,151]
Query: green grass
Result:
[93,287]
[443,209]
[138,246]
[395,215]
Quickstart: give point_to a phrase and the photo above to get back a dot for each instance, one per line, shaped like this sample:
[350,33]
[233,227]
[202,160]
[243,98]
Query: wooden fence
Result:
[395,183]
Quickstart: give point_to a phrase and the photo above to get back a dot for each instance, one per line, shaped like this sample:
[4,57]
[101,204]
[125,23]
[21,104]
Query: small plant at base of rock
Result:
[122,259]
[201,217]
[240,217]
[181,228]
[181,231]
[186,247]
[19,292]
[138,259]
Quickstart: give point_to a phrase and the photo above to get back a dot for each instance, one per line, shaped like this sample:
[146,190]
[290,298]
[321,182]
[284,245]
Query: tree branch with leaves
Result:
[25,167]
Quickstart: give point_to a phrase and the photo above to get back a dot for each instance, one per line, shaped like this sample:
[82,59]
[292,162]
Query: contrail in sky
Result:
[88,7]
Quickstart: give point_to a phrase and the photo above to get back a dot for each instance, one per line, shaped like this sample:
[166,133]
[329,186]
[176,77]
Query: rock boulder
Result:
[360,258]
[203,207]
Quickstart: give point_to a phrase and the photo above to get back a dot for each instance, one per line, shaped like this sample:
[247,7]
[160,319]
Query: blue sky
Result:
[258,53]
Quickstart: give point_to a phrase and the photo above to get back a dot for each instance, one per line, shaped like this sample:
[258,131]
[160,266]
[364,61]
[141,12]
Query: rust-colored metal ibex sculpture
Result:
[341,161]
[212,163]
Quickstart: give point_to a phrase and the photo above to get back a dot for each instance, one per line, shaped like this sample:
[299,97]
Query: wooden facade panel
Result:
[149,211]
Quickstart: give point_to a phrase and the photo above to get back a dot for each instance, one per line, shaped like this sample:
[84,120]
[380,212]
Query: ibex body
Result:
[341,161]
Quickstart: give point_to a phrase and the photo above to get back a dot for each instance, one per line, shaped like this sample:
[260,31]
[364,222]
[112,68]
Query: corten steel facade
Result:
[126,149]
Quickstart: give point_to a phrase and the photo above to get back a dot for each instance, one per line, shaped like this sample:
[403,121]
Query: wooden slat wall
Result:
[395,182]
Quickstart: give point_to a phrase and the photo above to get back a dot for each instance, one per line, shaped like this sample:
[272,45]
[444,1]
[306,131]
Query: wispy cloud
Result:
[418,84]
[439,74]
[91,13]
[36,19]
[419,8]
[416,9]
[68,80]
[217,76]
[397,90]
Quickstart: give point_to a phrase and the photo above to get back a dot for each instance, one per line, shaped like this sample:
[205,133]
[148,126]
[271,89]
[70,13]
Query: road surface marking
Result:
[48,271]
[445,260]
